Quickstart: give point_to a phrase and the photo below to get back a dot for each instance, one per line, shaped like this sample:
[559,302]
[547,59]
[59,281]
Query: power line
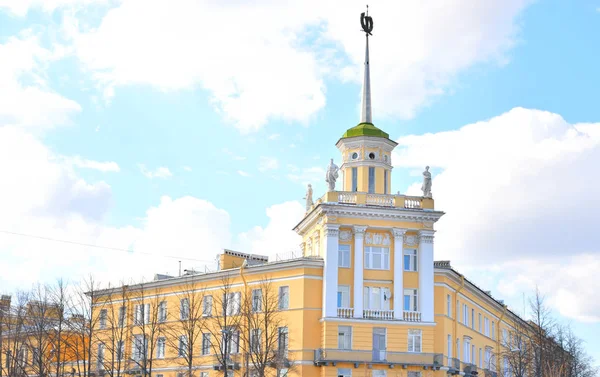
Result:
[101,247]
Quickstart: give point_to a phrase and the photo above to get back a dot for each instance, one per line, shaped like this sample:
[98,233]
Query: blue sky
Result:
[178,131]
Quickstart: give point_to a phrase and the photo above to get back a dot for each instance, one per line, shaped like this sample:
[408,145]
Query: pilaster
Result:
[398,272]
[359,243]
[426,274]
[330,270]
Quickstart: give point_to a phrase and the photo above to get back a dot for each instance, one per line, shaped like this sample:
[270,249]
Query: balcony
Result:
[411,316]
[345,312]
[377,200]
[469,369]
[378,314]
[334,356]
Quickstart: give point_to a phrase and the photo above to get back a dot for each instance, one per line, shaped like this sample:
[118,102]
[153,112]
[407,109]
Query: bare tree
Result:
[146,327]
[518,349]
[224,329]
[543,326]
[113,318]
[265,336]
[40,321]
[184,331]
[13,335]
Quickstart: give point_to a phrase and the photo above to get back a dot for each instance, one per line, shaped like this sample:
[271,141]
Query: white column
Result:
[398,272]
[330,270]
[359,236]
[426,274]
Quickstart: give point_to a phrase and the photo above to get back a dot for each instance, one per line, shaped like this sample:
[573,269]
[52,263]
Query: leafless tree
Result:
[185,328]
[224,329]
[543,327]
[13,333]
[518,349]
[146,327]
[112,317]
[265,336]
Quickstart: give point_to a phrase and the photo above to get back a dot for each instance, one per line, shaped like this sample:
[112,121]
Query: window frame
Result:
[371,253]
[206,344]
[415,334]
[413,296]
[344,292]
[371,180]
[347,337]
[344,251]
[411,255]
[284,297]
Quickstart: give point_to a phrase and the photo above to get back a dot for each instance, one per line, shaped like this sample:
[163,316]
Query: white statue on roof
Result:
[332,175]
[308,197]
[426,187]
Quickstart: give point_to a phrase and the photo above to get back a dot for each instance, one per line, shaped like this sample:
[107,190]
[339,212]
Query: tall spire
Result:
[367,24]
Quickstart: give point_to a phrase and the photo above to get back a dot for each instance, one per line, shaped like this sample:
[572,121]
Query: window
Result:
[142,314]
[414,340]
[448,306]
[449,350]
[184,308]
[344,337]
[202,374]
[120,350]
[411,300]
[480,361]
[377,258]
[103,315]
[414,374]
[458,348]
[354,179]
[205,344]
[344,256]
[379,373]
[122,315]
[493,330]
[472,356]
[231,303]
[101,348]
[371,180]
[183,346]
[457,311]
[343,296]
[255,340]
[505,337]
[385,182]
[256,300]
[282,341]
[160,348]
[284,297]
[467,350]
[162,311]
[473,319]
[488,358]
[140,347]
[344,372]
[479,322]
[486,327]
[207,303]
[231,339]
[35,355]
[410,260]
[283,372]
[465,313]
[376,298]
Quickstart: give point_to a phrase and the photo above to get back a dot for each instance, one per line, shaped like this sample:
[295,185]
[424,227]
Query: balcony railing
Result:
[379,200]
[345,312]
[411,316]
[469,369]
[326,356]
[378,314]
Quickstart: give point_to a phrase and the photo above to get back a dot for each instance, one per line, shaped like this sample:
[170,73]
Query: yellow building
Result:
[365,299]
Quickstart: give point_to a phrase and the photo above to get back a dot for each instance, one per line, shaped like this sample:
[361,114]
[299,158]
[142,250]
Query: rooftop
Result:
[365,129]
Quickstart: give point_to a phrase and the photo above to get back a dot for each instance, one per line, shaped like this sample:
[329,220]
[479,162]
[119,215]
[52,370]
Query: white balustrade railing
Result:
[378,314]
[412,202]
[412,316]
[347,197]
[345,312]
[380,200]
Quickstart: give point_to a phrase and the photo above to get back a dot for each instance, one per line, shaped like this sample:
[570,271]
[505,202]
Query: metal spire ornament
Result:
[367,25]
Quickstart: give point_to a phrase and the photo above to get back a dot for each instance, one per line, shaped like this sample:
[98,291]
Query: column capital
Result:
[331,230]
[359,230]
[398,232]
[426,236]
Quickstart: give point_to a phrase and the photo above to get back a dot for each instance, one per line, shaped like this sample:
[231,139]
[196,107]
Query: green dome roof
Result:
[365,129]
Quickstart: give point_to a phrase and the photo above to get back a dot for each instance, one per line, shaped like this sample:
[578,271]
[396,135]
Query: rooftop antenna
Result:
[179,268]
[366,22]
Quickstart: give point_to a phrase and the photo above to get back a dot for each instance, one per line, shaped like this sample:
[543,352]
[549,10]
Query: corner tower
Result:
[366,150]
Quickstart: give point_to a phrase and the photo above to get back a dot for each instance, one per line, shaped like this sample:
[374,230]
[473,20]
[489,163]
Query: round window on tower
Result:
[372,156]
[354,156]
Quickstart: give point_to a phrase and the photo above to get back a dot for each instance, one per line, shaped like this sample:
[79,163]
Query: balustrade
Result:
[345,312]
[411,316]
[378,314]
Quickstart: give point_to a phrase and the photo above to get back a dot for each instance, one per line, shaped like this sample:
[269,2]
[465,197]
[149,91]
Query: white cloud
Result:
[187,168]
[516,187]
[233,155]
[23,86]
[160,172]
[304,176]
[267,163]
[243,173]
[259,71]
[274,136]
[22,7]
[277,239]
[108,166]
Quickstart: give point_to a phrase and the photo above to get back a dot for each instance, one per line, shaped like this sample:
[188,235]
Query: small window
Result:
[103,317]
[203,374]
[343,296]
[344,372]
[410,260]
[371,180]
[257,300]
[354,156]
[371,156]
[379,373]
[411,300]
[122,315]
[414,340]
[160,348]
[344,337]
[354,179]
[207,303]
[448,306]
[282,341]
[162,311]
[284,297]
[184,309]
[205,344]
[385,182]
[183,345]
[344,256]
[414,374]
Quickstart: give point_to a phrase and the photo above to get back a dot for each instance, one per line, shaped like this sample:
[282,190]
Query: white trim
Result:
[372,281]
[386,322]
